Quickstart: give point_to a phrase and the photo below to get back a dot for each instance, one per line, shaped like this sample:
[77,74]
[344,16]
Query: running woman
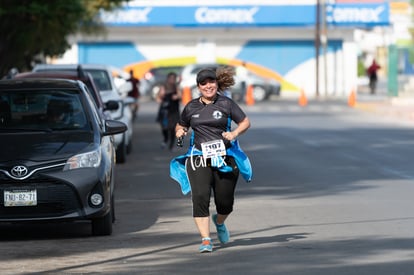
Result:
[211,164]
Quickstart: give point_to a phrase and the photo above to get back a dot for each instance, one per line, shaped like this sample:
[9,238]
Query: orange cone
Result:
[303,101]
[186,97]
[249,95]
[352,98]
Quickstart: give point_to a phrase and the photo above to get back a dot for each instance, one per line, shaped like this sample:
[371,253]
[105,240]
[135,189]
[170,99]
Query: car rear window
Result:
[101,79]
[43,110]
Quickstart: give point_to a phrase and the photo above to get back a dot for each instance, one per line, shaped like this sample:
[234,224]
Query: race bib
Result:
[214,148]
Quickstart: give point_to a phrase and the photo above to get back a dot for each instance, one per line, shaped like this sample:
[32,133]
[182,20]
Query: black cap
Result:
[206,74]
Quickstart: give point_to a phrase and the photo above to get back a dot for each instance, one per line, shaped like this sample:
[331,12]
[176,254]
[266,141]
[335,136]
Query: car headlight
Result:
[90,159]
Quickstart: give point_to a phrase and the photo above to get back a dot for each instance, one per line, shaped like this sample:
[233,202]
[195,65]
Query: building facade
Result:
[275,38]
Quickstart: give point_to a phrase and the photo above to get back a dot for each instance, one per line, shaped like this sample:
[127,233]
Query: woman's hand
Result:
[230,135]
[241,128]
[180,131]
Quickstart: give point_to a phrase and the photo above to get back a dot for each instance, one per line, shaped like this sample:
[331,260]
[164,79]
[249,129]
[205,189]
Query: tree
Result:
[32,28]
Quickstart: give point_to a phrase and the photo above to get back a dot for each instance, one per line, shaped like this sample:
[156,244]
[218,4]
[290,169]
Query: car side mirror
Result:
[113,127]
[111,105]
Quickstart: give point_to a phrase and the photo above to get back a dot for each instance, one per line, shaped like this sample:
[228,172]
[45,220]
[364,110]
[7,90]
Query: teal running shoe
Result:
[222,232]
[206,245]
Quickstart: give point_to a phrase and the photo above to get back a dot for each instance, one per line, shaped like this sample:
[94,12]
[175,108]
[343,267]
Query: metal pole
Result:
[317,46]
[324,39]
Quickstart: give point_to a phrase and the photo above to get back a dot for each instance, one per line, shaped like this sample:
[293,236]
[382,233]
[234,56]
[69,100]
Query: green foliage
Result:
[31,28]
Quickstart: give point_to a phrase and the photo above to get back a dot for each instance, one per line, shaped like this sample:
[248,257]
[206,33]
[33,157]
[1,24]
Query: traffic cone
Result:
[249,95]
[352,98]
[303,101]
[186,97]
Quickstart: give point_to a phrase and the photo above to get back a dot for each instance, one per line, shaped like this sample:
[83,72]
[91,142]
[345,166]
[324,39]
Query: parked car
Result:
[59,161]
[262,87]
[103,77]
[104,108]
[150,83]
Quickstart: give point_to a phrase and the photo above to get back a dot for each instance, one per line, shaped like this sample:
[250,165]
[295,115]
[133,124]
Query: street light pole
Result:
[324,39]
[317,46]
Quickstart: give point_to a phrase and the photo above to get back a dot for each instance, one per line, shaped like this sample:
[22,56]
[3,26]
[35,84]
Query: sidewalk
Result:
[382,104]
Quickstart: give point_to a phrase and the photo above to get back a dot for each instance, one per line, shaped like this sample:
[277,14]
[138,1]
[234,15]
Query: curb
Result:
[388,109]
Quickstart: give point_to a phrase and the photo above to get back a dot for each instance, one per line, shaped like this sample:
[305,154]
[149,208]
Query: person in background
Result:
[211,163]
[134,93]
[373,77]
[168,97]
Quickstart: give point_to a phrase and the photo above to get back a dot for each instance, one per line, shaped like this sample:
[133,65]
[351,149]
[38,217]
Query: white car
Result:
[104,78]
[262,87]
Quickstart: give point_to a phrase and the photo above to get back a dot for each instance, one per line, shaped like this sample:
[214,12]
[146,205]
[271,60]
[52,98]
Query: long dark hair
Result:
[225,77]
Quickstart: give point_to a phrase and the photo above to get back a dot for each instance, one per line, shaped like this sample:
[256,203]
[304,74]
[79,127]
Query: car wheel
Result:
[259,93]
[121,152]
[103,226]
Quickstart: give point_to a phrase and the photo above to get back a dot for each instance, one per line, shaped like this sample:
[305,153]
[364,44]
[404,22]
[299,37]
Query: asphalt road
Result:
[332,194]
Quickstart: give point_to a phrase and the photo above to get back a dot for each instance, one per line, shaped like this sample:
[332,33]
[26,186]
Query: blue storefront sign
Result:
[365,15]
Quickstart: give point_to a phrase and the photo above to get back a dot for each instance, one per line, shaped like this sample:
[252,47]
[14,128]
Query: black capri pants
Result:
[204,179]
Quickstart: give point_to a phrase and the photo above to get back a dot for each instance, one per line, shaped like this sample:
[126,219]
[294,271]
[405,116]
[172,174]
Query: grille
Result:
[54,198]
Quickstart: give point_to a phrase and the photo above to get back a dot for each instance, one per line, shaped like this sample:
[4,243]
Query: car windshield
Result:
[41,110]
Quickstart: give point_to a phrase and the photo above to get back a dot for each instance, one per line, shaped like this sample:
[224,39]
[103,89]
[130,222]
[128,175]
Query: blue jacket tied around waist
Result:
[179,173]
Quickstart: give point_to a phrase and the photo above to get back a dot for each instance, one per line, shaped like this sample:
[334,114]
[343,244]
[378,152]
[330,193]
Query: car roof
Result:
[52,74]
[86,78]
[72,66]
[108,70]
[86,66]
[38,83]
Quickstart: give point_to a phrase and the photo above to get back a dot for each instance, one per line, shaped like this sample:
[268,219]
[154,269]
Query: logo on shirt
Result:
[196,116]
[217,114]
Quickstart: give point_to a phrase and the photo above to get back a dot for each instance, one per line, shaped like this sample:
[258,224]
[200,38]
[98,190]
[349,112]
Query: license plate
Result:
[20,198]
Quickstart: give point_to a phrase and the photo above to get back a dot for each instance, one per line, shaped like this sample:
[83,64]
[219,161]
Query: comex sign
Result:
[202,15]
[126,16]
[219,16]
[277,15]
[354,14]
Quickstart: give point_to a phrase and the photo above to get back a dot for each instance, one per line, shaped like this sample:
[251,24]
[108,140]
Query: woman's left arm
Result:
[242,127]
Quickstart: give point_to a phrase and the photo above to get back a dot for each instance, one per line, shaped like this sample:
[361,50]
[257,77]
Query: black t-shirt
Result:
[209,121]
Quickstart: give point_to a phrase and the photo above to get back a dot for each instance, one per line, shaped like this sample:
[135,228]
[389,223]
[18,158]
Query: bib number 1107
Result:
[213,148]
